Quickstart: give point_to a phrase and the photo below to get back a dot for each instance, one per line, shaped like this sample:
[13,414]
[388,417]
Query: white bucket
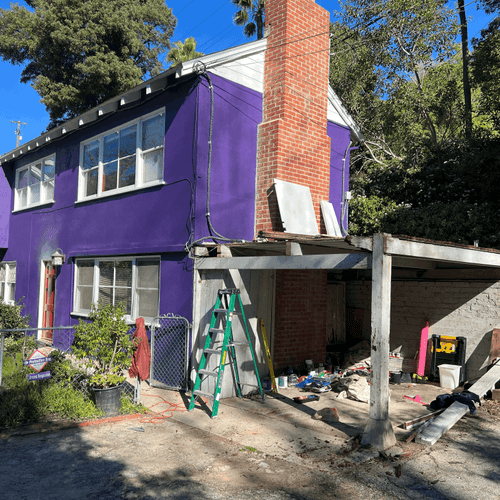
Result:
[449,376]
[283,382]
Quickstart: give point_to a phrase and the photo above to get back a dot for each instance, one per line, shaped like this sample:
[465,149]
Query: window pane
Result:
[148,303]
[3,272]
[11,275]
[84,298]
[49,169]
[36,174]
[128,141]
[91,187]
[106,270]
[153,165]
[124,296]
[2,290]
[127,172]
[48,190]
[109,180]
[22,179]
[91,155]
[147,274]
[105,296]
[35,193]
[110,152]
[10,292]
[153,132]
[86,273]
[22,198]
[124,273]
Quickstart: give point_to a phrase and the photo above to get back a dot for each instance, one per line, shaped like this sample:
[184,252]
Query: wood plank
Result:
[337,261]
[434,251]
[457,410]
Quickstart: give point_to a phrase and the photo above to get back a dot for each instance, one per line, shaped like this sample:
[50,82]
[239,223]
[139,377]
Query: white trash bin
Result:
[449,376]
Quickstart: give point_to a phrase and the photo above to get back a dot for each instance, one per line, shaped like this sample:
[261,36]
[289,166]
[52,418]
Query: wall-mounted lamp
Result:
[58,258]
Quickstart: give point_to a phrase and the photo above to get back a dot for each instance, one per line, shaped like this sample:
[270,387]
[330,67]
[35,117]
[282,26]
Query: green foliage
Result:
[11,318]
[79,54]
[368,214]
[251,15]
[68,402]
[182,52]
[128,407]
[104,345]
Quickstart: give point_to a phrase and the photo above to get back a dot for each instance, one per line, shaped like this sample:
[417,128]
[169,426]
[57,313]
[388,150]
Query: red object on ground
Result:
[417,399]
[141,361]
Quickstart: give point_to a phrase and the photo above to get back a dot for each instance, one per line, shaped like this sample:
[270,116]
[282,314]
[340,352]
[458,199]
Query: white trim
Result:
[134,313]
[41,295]
[139,160]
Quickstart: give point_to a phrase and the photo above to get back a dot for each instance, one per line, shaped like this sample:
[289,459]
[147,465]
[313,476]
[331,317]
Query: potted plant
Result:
[105,347]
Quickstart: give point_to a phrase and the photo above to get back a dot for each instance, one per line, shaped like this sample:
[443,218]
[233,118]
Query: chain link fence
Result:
[59,367]
[170,352]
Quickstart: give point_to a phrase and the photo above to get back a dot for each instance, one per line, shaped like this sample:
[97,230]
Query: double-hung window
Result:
[35,183]
[134,282]
[8,282]
[126,158]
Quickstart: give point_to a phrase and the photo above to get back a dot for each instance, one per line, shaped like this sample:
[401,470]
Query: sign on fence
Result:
[37,361]
[38,376]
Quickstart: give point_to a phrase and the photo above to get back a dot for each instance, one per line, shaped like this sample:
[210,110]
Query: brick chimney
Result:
[293,144]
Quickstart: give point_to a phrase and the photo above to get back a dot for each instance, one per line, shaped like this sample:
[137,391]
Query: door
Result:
[49,288]
[335,323]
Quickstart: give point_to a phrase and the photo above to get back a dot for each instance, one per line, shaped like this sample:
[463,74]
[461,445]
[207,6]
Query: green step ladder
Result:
[221,323]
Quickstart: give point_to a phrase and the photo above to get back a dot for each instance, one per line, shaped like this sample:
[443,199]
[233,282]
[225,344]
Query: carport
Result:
[380,253]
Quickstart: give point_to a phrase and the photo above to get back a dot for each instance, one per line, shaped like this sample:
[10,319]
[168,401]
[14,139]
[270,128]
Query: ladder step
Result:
[238,343]
[221,310]
[209,373]
[203,394]
[212,351]
[216,330]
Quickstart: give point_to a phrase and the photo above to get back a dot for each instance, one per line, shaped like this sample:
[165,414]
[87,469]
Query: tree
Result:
[251,15]
[182,52]
[81,53]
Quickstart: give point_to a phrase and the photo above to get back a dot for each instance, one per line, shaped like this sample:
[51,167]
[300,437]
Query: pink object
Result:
[141,360]
[416,398]
[424,335]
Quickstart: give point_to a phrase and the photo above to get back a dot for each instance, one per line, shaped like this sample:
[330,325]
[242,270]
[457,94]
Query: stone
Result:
[327,415]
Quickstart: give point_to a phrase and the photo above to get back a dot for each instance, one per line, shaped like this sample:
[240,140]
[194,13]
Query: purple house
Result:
[125,190]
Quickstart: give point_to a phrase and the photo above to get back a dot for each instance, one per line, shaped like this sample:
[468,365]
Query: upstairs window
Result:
[124,159]
[134,282]
[35,184]
[8,282]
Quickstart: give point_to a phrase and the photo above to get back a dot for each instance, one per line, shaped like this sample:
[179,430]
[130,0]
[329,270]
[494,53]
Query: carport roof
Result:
[277,250]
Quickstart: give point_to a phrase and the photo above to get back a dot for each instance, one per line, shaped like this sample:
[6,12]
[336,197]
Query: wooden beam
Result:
[433,251]
[457,410]
[337,261]
[379,431]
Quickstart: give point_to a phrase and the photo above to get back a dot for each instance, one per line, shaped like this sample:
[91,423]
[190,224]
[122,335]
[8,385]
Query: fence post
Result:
[2,341]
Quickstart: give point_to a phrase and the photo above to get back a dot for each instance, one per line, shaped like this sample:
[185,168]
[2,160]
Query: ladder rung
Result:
[221,310]
[210,373]
[249,385]
[238,343]
[216,330]
[212,351]
[203,394]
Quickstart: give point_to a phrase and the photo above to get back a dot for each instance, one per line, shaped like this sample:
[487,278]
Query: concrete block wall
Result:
[300,323]
[468,309]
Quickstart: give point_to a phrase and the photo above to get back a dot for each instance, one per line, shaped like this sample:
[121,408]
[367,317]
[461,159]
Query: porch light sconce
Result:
[58,258]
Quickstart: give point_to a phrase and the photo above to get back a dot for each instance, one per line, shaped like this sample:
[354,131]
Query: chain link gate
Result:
[170,352]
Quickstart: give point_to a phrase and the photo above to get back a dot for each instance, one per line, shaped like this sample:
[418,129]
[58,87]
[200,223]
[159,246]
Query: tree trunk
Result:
[259,19]
[465,62]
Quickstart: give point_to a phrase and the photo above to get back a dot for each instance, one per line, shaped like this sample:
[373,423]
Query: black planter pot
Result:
[108,400]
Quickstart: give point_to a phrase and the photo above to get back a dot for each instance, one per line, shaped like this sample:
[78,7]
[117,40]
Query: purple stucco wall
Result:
[5,204]
[155,220]
[340,137]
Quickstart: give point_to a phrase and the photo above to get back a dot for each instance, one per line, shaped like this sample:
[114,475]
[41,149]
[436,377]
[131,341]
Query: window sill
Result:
[34,205]
[131,322]
[116,192]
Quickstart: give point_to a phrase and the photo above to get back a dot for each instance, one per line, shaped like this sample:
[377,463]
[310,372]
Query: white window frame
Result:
[139,161]
[130,318]
[11,300]
[44,183]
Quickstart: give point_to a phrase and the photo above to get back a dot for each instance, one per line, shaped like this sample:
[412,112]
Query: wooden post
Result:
[379,431]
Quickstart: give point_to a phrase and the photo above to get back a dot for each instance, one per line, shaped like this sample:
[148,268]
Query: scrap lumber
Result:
[456,411]
[410,424]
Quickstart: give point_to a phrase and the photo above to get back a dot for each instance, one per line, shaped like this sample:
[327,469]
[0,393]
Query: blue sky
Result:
[209,22]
